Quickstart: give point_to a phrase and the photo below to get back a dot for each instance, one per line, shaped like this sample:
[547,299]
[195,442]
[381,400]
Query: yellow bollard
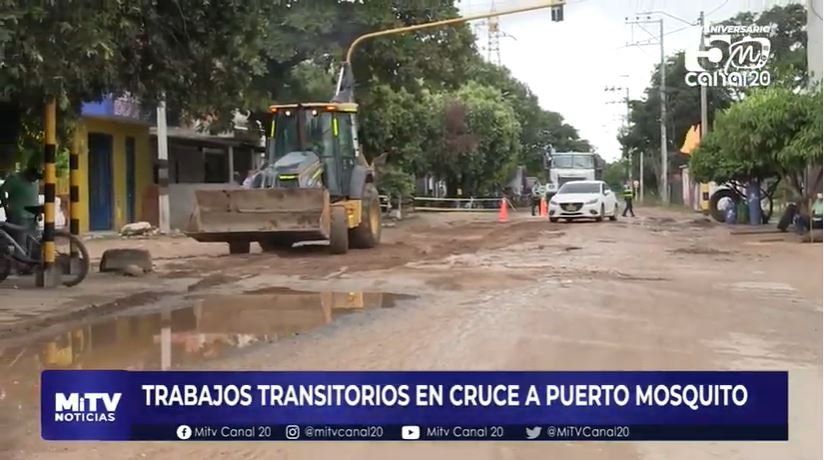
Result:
[49,276]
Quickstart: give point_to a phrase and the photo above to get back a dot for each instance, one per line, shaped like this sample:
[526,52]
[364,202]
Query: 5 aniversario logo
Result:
[732,61]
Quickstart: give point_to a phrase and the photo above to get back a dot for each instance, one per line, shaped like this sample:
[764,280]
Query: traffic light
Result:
[557,13]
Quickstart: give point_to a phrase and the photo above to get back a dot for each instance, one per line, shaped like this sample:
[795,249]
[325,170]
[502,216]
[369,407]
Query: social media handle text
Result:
[227,432]
[588,433]
[465,433]
[335,433]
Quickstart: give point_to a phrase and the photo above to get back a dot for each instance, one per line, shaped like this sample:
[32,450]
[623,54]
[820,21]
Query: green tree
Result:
[539,128]
[774,132]
[615,174]
[202,55]
[788,42]
[484,142]
[787,64]
[683,111]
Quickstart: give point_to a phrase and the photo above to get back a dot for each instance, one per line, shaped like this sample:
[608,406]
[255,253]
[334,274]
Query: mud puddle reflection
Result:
[212,326]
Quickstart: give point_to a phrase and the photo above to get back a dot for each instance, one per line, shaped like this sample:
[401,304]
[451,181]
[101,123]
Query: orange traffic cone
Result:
[544,210]
[503,215]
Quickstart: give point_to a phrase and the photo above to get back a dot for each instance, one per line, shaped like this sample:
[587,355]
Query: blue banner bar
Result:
[322,406]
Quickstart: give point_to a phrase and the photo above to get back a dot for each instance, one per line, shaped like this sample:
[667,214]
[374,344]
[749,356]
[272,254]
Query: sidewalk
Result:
[162,248]
[24,306]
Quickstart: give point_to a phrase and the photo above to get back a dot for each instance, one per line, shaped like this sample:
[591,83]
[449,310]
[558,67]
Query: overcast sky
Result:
[568,64]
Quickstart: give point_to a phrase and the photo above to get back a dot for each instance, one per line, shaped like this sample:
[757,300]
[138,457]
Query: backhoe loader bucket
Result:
[274,215]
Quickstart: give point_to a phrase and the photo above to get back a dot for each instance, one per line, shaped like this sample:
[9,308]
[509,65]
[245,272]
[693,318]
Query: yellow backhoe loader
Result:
[316,185]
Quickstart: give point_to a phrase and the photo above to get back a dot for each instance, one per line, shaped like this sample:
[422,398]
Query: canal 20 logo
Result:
[743,67]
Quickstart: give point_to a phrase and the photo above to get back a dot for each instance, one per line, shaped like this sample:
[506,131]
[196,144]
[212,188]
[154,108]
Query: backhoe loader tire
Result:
[368,234]
[239,247]
[339,237]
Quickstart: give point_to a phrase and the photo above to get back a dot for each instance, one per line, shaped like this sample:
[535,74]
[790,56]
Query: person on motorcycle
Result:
[17,192]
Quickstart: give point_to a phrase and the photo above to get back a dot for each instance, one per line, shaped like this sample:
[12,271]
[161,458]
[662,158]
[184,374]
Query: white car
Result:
[583,199]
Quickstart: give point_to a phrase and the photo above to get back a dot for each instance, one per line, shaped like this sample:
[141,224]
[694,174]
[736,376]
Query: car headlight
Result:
[592,201]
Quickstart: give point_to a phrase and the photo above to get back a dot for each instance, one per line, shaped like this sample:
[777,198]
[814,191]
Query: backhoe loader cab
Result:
[314,144]
[317,186]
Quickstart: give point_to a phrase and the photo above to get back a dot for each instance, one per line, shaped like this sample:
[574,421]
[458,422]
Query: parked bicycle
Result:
[26,258]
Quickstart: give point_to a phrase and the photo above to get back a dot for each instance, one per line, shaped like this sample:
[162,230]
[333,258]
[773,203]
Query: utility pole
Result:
[624,100]
[162,169]
[663,96]
[705,124]
[663,182]
[641,176]
[493,46]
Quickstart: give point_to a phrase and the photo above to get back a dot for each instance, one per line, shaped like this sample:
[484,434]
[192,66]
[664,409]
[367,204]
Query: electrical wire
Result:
[715,10]
[649,42]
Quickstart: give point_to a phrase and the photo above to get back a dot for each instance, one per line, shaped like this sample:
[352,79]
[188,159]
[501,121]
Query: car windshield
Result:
[580,187]
[566,161]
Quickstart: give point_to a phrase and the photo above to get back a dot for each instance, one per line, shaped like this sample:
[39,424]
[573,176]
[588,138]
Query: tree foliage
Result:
[540,128]
[202,55]
[615,174]
[773,132]
[427,99]
[683,111]
[787,65]
[788,42]
[484,162]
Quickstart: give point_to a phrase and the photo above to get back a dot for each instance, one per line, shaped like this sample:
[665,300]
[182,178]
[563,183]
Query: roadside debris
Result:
[137,229]
[127,261]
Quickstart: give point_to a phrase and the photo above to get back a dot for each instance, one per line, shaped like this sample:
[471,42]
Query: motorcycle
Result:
[733,193]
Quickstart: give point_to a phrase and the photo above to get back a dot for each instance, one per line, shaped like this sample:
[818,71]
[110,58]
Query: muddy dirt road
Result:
[663,291]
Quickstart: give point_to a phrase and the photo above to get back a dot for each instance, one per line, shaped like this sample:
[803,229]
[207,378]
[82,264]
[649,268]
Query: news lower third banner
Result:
[431,406]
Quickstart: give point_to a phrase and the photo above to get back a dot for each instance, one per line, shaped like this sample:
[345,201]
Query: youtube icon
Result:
[410,432]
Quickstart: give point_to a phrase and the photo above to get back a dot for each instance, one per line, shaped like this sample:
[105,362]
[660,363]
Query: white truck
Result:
[570,166]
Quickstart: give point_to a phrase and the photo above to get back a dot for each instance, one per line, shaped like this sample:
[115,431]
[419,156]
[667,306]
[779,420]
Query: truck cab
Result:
[571,166]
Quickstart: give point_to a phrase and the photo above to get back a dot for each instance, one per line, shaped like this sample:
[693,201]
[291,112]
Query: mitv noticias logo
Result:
[86,407]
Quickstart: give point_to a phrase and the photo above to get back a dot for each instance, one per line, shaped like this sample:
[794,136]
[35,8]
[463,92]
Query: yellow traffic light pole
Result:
[429,25]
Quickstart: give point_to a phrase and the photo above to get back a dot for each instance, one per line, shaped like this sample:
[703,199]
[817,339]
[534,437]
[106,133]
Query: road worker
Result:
[628,194]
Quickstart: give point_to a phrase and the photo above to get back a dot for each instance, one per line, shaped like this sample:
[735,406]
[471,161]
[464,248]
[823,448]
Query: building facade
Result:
[115,165]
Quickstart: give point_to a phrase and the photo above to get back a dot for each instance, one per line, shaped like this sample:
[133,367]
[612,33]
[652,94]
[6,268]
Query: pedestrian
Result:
[628,196]
[21,190]
[535,196]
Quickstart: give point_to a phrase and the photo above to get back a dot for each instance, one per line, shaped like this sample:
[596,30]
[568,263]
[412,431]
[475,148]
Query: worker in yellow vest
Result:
[628,194]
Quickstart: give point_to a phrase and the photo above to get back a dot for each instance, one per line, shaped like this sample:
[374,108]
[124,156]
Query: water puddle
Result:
[212,326]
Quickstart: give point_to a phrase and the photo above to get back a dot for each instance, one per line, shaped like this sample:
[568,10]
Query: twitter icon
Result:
[532,433]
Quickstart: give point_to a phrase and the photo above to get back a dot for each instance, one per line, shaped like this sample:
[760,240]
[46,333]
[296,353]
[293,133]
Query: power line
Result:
[650,42]
[715,10]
